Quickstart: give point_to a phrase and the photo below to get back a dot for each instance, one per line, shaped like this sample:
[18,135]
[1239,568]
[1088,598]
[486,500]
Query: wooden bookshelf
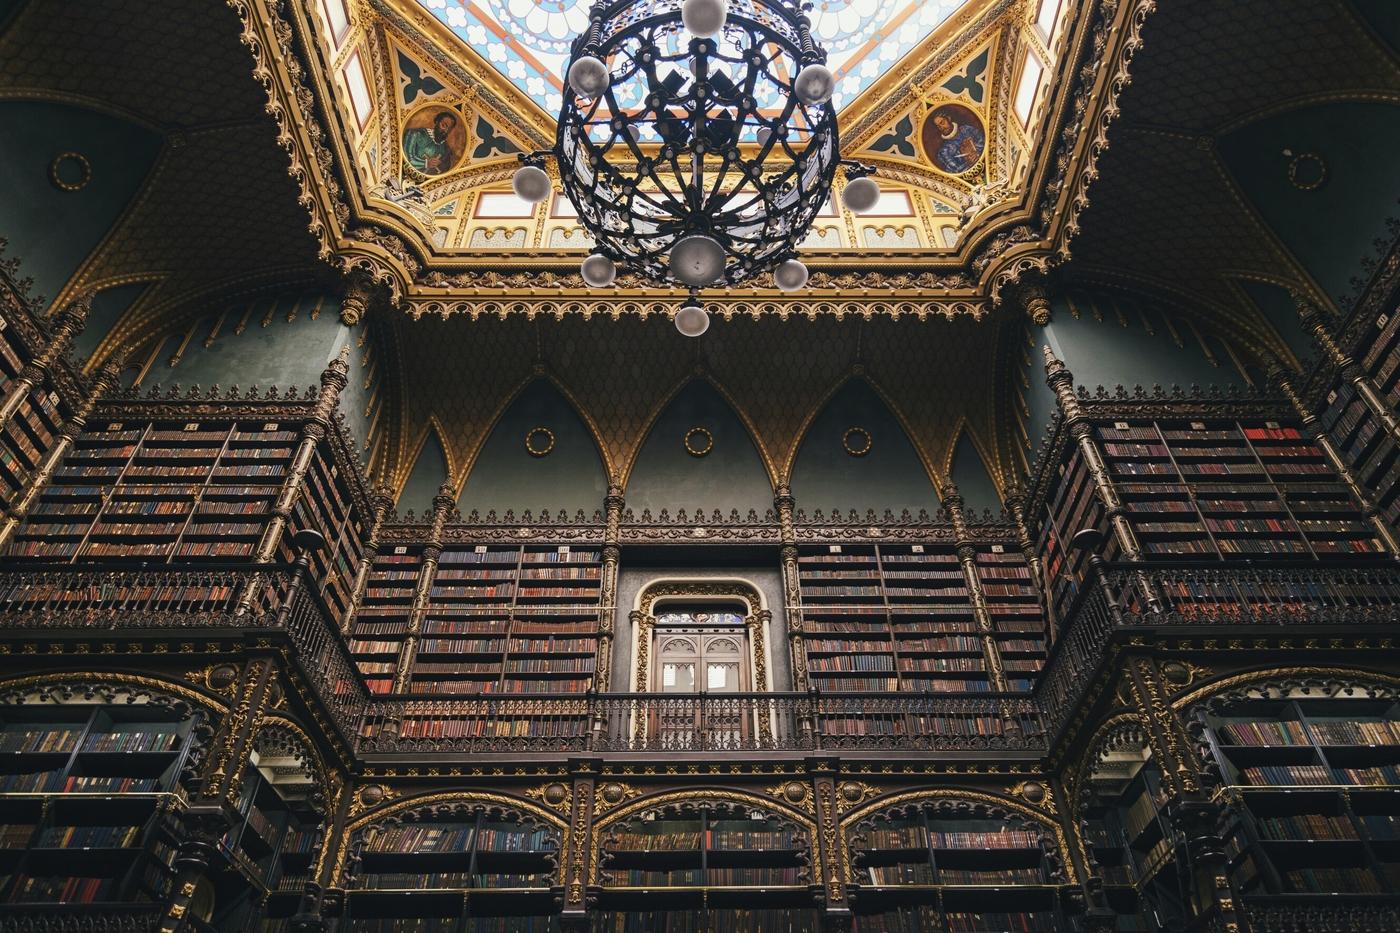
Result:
[935,869]
[510,619]
[382,621]
[1071,504]
[714,867]
[1318,789]
[33,428]
[158,492]
[83,802]
[1368,448]
[430,869]
[900,617]
[325,504]
[1226,490]
[1130,842]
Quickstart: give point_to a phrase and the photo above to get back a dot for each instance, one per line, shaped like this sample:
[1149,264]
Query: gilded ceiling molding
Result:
[1002,244]
[905,85]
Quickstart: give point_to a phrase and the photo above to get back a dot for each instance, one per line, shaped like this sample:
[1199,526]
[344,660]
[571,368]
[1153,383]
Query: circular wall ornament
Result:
[539,442]
[698,442]
[70,171]
[857,441]
[1306,170]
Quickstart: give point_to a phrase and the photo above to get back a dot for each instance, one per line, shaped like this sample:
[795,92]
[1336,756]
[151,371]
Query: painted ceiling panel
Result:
[528,40]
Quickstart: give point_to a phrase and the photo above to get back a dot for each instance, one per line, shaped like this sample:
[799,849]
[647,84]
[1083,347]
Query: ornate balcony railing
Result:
[1176,598]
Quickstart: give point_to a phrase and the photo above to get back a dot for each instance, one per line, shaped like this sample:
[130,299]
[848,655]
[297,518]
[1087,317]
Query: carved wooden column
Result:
[1314,431]
[381,500]
[1194,814]
[1016,508]
[432,550]
[574,860]
[967,556]
[318,900]
[213,804]
[67,324]
[830,867]
[1315,323]
[334,378]
[792,590]
[1061,382]
[607,611]
[102,383]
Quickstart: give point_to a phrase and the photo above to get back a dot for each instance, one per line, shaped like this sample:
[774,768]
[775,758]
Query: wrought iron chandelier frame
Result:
[677,143]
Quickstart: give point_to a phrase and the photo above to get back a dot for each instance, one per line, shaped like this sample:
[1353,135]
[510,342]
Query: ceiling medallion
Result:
[857,441]
[697,144]
[539,442]
[698,442]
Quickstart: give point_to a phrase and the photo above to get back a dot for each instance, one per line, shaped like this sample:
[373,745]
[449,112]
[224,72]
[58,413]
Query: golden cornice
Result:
[398,254]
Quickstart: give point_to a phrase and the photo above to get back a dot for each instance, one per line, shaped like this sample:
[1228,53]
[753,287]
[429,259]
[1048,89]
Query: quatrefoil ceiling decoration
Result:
[953,101]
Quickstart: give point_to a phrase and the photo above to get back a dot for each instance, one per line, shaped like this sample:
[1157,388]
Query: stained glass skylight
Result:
[528,40]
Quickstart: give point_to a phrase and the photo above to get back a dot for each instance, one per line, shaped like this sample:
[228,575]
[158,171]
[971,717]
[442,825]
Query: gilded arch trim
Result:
[695,794]
[99,678]
[1211,688]
[467,797]
[953,793]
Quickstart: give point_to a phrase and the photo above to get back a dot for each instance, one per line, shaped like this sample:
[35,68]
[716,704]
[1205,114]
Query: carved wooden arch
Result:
[1274,683]
[448,804]
[690,800]
[860,375]
[277,733]
[990,465]
[407,463]
[77,687]
[961,802]
[708,589]
[628,461]
[1118,732]
[460,482]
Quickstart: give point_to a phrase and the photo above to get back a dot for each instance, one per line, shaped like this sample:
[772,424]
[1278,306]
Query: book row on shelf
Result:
[461,838]
[713,877]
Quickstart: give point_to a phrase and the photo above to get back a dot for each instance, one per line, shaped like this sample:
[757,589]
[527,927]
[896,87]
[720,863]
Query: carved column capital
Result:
[1035,301]
[361,295]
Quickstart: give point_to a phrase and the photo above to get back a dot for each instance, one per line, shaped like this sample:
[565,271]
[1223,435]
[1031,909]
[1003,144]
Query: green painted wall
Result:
[283,354]
[891,476]
[50,230]
[730,477]
[1384,17]
[429,472]
[1105,353]
[1278,307]
[970,475]
[107,308]
[506,476]
[1331,229]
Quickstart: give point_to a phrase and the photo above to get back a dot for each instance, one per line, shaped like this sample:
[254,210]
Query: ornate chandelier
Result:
[697,142]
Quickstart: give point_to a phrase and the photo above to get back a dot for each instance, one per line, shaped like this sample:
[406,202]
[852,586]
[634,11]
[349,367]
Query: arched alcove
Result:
[970,474]
[430,471]
[540,455]
[1280,309]
[1325,179]
[698,454]
[69,173]
[855,455]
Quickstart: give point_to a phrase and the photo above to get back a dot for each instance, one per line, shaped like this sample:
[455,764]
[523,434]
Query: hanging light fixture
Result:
[697,142]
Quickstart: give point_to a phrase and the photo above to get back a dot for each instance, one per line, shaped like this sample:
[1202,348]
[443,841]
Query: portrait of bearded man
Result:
[430,149]
[954,139]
